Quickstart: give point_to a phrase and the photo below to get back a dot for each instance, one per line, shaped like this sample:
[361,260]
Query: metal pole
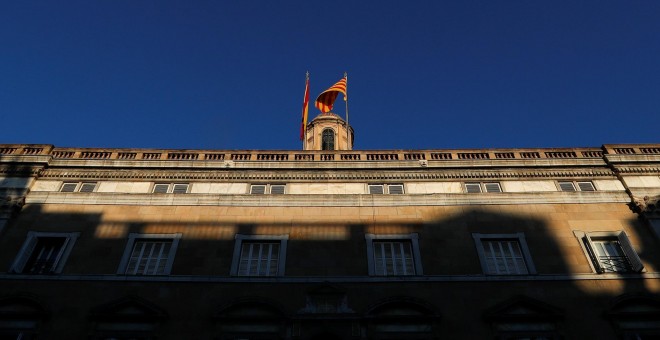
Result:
[348,126]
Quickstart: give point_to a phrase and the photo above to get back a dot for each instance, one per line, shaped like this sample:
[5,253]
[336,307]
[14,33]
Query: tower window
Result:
[328,140]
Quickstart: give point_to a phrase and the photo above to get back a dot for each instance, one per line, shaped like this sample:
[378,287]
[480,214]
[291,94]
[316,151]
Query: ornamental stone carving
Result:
[648,206]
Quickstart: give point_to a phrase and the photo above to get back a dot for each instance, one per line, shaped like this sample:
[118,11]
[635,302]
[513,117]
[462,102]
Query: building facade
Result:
[329,243]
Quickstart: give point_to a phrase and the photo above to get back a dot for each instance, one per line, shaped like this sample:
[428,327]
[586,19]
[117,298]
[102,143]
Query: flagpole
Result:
[348,127]
[305,109]
[305,127]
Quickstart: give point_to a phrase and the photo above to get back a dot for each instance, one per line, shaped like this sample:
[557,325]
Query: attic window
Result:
[170,188]
[576,186]
[263,189]
[78,187]
[380,189]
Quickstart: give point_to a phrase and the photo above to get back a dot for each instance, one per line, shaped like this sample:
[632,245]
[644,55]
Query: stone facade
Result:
[329,244]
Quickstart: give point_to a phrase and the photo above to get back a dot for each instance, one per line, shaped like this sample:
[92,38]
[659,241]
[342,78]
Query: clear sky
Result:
[421,74]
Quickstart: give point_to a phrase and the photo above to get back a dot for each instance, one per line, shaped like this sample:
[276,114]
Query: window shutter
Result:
[59,255]
[277,189]
[635,263]
[180,188]
[592,254]
[472,187]
[69,187]
[24,255]
[566,186]
[87,187]
[395,189]
[376,189]
[258,189]
[586,186]
[493,187]
[161,188]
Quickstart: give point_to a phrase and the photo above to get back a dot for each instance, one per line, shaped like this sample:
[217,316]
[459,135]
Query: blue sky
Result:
[422,74]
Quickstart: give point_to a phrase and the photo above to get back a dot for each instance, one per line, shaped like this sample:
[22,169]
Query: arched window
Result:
[328,140]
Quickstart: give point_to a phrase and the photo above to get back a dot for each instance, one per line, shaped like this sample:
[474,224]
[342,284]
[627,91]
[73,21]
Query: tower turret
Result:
[328,131]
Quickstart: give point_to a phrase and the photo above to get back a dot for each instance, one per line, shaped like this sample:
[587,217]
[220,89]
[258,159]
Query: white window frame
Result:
[586,238]
[132,237]
[30,243]
[520,237]
[576,186]
[413,238]
[267,188]
[240,239]
[78,186]
[170,187]
[482,187]
[386,188]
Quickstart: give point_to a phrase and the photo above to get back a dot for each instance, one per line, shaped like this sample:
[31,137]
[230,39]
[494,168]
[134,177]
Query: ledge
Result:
[327,200]
[323,279]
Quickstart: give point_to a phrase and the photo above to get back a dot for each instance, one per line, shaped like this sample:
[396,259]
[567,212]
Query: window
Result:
[259,255]
[21,318]
[149,254]
[78,187]
[525,318]
[170,188]
[576,186]
[610,252]
[504,254]
[44,253]
[262,189]
[482,187]
[393,255]
[129,318]
[328,139]
[379,189]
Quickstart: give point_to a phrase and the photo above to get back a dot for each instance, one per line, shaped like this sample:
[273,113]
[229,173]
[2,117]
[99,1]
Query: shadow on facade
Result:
[327,292]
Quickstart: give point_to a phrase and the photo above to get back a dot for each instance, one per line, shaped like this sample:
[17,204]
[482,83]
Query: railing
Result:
[411,156]
[614,264]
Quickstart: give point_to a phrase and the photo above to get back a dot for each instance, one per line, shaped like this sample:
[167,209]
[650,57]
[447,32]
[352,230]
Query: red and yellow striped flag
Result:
[326,99]
[305,109]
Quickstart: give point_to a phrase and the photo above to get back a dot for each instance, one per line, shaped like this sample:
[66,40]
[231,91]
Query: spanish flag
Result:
[305,109]
[326,99]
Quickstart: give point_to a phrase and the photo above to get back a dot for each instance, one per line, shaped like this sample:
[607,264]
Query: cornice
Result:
[341,200]
[232,175]
[20,170]
[639,169]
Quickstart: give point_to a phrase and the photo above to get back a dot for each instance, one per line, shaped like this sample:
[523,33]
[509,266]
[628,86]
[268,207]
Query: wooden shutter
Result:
[69,187]
[395,189]
[59,255]
[161,188]
[277,189]
[472,187]
[592,253]
[493,187]
[586,186]
[24,254]
[180,188]
[566,186]
[635,263]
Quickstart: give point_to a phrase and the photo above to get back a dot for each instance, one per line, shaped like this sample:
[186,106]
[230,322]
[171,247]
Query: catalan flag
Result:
[326,99]
[305,109]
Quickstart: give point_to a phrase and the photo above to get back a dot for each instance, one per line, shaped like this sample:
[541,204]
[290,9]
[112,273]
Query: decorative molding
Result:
[233,175]
[339,200]
[647,206]
[333,279]
[641,170]
[11,205]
